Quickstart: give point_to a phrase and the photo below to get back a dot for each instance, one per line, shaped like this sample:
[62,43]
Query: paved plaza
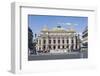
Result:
[74,55]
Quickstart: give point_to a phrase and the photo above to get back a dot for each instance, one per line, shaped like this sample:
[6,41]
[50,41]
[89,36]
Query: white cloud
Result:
[68,23]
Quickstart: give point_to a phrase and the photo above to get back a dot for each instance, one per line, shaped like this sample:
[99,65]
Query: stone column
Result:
[47,43]
[41,43]
[78,44]
[69,44]
[65,43]
[56,43]
[74,43]
[60,42]
[52,43]
[38,45]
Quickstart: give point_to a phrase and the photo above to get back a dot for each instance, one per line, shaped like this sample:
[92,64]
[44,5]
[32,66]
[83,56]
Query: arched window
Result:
[49,41]
[58,46]
[54,47]
[63,41]
[44,41]
[54,41]
[63,46]
[59,41]
[67,41]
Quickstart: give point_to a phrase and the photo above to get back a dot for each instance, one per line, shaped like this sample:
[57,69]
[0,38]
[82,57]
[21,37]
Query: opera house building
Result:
[57,40]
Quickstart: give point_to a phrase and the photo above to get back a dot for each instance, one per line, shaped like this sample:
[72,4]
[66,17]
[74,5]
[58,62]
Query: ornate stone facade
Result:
[58,39]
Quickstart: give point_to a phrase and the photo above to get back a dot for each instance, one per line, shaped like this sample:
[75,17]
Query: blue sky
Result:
[37,22]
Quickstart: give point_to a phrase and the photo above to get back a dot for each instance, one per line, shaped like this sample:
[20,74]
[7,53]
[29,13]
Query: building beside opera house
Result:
[85,39]
[57,40]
